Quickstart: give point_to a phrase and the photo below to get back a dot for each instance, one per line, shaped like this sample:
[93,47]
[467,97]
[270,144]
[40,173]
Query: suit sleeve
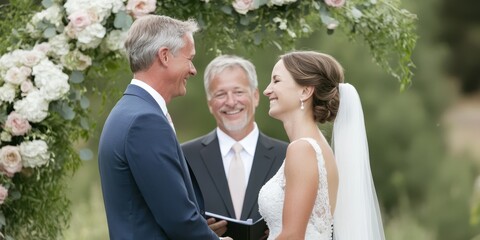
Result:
[160,175]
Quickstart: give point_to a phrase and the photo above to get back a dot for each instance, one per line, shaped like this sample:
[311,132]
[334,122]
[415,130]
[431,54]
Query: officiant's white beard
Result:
[237,125]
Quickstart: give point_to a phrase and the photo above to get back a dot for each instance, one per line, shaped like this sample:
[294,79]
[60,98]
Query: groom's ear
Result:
[163,55]
[307,92]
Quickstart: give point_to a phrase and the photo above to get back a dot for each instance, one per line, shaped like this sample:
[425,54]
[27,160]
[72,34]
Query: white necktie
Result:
[170,121]
[236,180]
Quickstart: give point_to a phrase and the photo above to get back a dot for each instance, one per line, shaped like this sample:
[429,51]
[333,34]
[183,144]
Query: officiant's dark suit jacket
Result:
[147,188]
[204,157]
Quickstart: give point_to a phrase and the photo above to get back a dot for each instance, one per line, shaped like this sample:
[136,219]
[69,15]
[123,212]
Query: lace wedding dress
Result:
[271,199]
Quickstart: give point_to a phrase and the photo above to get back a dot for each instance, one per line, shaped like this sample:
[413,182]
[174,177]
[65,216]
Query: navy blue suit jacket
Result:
[146,184]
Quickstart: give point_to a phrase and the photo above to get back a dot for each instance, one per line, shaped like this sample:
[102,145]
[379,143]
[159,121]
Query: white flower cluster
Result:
[31,79]
[28,154]
[37,79]
[244,6]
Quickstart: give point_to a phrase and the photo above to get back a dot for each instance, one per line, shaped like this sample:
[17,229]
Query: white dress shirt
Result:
[158,98]
[249,144]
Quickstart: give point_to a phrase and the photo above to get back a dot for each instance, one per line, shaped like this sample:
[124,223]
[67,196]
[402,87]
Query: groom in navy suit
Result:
[146,183]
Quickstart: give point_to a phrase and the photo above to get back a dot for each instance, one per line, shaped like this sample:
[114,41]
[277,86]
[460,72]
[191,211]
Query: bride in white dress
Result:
[319,193]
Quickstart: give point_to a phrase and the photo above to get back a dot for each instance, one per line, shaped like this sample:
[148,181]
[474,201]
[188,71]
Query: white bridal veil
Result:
[357,215]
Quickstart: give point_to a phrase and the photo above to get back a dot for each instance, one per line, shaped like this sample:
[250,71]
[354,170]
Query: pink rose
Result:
[17,124]
[10,160]
[42,47]
[335,3]
[3,194]
[16,75]
[139,8]
[79,20]
[243,6]
[26,87]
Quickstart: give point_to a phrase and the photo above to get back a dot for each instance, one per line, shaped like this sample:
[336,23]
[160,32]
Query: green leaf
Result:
[84,102]
[257,38]
[67,112]
[47,3]
[226,9]
[84,123]
[2,219]
[326,18]
[49,32]
[244,21]
[14,195]
[76,77]
[259,3]
[85,154]
[122,20]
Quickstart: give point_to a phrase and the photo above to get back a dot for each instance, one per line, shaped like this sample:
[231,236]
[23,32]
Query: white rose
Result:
[10,160]
[34,107]
[17,75]
[26,87]
[52,82]
[59,44]
[7,61]
[91,36]
[117,5]
[34,153]
[72,6]
[115,40]
[76,60]
[42,47]
[31,58]
[54,15]
[5,136]
[7,92]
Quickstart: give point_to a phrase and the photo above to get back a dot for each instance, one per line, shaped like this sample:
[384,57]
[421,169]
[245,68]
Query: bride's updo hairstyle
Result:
[324,73]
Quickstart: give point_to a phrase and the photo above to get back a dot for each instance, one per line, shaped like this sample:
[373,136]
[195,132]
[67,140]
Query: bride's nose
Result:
[267,91]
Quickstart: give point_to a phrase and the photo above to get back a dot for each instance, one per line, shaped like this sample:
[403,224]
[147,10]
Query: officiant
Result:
[234,160]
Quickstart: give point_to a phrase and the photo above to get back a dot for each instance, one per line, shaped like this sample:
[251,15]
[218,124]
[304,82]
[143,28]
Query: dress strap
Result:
[314,144]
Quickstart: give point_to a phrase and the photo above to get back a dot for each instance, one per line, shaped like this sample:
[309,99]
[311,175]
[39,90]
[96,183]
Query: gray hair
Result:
[223,62]
[152,32]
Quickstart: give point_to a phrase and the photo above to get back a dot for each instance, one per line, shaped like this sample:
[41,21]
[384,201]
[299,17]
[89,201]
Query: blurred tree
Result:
[460,22]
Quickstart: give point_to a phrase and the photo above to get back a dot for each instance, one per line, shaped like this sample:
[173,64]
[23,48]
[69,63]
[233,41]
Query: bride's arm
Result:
[301,184]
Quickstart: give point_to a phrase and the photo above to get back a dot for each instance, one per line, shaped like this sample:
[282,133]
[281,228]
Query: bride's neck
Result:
[301,129]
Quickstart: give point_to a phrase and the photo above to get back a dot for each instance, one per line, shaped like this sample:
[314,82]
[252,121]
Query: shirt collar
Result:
[158,98]
[249,142]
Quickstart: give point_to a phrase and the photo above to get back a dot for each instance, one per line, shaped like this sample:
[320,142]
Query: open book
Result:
[242,229]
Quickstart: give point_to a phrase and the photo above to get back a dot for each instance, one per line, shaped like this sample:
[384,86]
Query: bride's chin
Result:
[272,114]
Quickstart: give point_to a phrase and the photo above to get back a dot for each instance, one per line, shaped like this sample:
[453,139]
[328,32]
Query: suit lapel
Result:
[262,164]
[212,158]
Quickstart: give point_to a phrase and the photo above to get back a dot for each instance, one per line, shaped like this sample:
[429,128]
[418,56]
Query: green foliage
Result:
[388,30]
[40,212]
[14,15]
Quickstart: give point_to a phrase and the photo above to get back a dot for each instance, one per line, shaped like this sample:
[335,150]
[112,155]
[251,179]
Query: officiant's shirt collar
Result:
[249,143]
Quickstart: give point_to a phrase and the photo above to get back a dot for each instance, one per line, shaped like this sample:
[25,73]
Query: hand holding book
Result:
[242,229]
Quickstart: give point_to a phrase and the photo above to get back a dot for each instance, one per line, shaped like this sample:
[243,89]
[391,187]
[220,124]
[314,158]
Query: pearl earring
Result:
[301,106]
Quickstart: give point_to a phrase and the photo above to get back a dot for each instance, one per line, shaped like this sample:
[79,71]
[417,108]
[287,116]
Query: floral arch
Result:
[48,50]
